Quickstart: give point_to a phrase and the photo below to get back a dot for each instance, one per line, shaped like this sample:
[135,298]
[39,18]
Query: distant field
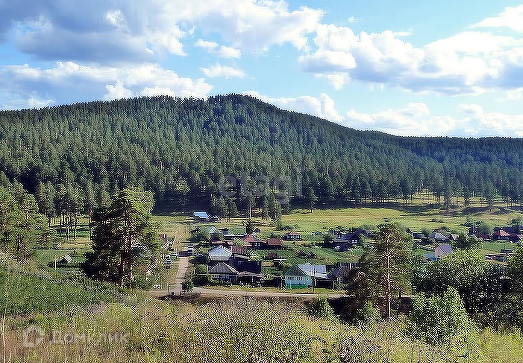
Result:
[415,215]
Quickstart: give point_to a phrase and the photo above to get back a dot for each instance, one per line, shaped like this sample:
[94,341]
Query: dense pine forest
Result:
[221,151]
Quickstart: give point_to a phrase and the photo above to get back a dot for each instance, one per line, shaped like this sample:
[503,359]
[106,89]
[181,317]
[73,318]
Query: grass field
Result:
[415,216]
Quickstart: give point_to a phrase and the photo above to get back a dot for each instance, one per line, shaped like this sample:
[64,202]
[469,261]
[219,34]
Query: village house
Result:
[442,250]
[249,272]
[223,272]
[438,236]
[251,240]
[273,243]
[204,217]
[341,273]
[219,254]
[292,236]
[305,275]
[501,235]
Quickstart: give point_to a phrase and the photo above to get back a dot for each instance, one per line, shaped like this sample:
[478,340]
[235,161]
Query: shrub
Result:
[441,319]
[187,285]
[201,275]
[368,314]
[320,308]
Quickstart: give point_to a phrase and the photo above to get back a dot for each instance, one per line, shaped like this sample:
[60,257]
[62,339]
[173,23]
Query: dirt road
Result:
[218,292]
[176,288]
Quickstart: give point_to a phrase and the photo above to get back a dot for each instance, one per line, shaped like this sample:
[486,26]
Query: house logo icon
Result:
[33,336]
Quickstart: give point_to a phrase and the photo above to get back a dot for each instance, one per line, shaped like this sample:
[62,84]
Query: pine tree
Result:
[124,241]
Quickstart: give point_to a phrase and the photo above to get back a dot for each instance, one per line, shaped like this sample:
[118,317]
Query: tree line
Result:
[73,158]
[22,228]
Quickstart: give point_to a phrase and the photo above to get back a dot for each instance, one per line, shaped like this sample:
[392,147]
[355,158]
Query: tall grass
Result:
[240,330]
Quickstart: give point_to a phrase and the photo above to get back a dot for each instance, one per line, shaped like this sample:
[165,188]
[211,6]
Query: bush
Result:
[320,308]
[201,275]
[441,319]
[368,314]
[200,235]
[187,285]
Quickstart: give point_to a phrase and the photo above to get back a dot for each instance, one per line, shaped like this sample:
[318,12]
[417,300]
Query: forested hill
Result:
[182,148]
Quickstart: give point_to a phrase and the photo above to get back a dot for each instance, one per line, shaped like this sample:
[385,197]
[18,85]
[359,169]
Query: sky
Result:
[410,68]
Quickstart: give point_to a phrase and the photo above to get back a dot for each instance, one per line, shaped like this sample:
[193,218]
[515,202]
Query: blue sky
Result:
[451,68]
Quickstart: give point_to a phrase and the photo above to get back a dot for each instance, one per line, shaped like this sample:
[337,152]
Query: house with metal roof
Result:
[201,216]
[438,236]
[223,272]
[292,236]
[305,275]
[442,250]
[219,254]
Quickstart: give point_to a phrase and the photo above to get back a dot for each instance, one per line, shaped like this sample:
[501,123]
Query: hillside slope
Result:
[182,148]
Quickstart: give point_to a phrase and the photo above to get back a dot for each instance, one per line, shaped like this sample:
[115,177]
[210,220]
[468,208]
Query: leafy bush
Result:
[320,308]
[200,236]
[201,275]
[441,320]
[187,285]
[368,314]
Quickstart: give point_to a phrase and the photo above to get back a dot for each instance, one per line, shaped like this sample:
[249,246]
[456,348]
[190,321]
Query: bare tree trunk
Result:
[387,313]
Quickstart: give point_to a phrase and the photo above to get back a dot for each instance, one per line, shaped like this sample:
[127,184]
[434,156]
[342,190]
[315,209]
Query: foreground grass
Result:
[68,319]
[25,289]
[240,330]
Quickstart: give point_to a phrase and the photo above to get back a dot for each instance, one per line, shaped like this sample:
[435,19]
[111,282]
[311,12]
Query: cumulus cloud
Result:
[322,106]
[413,120]
[416,119]
[220,71]
[33,102]
[253,25]
[143,31]
[470,62]
[500,124]
[219,51]
[69,79]
[117,91]
[511,17]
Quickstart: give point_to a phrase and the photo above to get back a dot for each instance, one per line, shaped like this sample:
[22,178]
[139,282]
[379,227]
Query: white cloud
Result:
[157,91]
[116,18]
[219,71]
[33,102]
[416,119]
[117,91]
[219,51]
[474,43]
[470,62]
[333,61]
[252,25]
[497,123]
[511,17]
[136,31]
[69,79]
[322,106]
[413,120]
[516,94]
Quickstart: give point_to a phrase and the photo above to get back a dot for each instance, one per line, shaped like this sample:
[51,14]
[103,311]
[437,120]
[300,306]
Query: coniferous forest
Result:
[221,151]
